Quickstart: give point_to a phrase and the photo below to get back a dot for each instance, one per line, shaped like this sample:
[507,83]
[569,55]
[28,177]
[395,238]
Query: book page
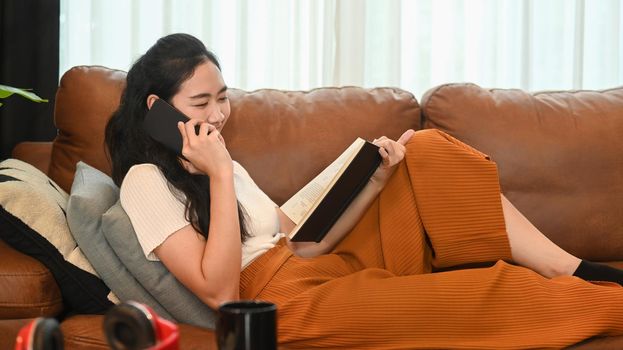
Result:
[298,205]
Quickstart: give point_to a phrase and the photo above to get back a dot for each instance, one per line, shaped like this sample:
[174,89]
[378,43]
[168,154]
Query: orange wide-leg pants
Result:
[441,208]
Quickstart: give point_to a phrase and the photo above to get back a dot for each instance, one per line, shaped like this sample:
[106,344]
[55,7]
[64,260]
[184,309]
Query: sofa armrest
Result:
[27,287]
[38,154]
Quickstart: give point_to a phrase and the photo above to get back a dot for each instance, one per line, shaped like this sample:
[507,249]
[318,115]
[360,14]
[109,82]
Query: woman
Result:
[368,283]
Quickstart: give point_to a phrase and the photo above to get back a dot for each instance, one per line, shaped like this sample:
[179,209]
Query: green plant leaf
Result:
[6,91]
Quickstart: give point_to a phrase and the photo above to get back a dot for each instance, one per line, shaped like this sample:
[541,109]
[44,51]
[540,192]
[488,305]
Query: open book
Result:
[317,206]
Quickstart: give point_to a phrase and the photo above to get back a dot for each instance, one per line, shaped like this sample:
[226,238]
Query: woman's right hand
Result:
[205,152]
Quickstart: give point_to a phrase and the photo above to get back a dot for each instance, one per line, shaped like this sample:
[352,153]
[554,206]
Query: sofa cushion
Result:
[32,221]
[92,194]
[86,332]
[181,303]
[85,100]
[559,156]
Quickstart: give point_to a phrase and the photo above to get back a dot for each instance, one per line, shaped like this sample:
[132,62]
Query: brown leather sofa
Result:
[560,157]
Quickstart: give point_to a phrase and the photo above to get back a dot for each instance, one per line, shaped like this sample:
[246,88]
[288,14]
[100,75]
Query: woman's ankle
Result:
[570,266]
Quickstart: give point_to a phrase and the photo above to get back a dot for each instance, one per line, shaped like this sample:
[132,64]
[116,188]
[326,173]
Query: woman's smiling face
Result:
[203,96]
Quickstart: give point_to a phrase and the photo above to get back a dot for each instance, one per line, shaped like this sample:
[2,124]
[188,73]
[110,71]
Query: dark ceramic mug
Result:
[247,325]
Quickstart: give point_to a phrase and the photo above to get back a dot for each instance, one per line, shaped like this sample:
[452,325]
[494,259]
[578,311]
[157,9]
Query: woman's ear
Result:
[150,100]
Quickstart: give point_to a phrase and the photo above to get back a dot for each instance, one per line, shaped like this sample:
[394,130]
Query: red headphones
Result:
[133,326]
[128,326]
[40,334]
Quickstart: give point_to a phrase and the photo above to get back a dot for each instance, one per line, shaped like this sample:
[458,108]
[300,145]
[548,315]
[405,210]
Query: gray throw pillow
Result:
[92,194]
[153,275]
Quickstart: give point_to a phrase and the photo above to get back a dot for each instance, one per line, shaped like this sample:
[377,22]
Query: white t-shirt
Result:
[156,212]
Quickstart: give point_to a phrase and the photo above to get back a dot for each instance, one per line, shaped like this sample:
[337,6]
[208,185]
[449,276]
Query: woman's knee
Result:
[428,138]
[430,141]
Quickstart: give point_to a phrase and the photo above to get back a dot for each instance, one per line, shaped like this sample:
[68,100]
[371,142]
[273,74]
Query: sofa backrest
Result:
[283,138]
[559,155]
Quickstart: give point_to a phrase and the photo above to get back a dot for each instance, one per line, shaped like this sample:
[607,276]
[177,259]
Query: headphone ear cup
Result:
[47,335]
[129,327]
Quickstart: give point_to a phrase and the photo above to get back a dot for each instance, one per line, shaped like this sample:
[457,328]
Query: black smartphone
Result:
[161,124]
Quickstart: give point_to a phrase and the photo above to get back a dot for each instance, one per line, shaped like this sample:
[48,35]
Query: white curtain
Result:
[412,44]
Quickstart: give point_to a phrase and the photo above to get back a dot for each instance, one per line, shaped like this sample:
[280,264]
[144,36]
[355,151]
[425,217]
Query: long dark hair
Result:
[161,71]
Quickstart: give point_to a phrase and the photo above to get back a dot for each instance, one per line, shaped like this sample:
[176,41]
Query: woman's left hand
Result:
[392,152]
